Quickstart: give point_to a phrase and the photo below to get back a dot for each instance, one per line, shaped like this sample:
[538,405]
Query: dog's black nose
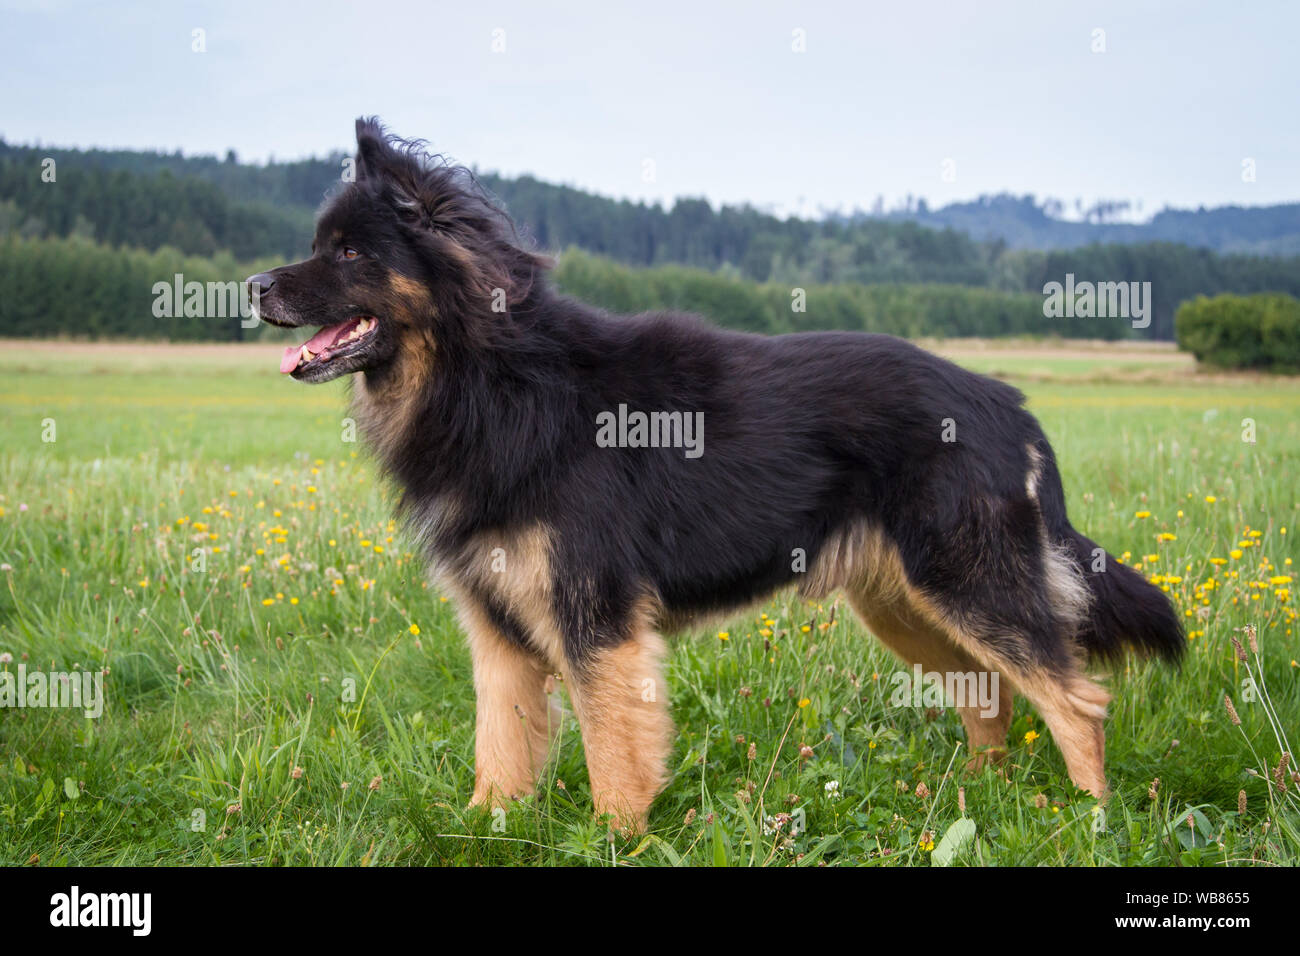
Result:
[260,284]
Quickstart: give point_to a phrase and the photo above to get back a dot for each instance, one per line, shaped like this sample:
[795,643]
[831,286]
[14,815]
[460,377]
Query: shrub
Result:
[1260,332]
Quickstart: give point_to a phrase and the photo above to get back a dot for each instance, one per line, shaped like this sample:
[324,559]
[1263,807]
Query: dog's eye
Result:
[347,252]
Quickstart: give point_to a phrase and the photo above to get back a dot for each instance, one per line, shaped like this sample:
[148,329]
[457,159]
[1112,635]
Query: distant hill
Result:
[1025,223]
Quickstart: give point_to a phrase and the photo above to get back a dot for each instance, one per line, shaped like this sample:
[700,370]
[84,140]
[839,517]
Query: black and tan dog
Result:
[516,419]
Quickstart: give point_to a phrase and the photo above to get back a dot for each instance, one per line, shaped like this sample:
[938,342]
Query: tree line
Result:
[77,287]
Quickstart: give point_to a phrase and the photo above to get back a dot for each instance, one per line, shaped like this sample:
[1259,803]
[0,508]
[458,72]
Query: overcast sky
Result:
[944,100]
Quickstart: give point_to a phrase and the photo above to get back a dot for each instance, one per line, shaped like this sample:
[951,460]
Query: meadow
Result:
[283,685]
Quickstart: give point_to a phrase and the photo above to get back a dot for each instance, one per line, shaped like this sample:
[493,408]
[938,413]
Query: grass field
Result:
[283,687]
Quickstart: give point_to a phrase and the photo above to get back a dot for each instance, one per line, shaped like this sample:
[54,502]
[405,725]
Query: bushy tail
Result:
[1127,610]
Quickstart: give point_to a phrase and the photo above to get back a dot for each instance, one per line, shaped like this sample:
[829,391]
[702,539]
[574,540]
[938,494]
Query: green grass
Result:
[222,705]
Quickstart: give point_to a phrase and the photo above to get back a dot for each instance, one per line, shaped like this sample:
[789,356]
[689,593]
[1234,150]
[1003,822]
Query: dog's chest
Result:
[505,573]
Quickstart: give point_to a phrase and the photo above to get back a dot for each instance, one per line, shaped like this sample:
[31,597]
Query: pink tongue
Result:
[318,343]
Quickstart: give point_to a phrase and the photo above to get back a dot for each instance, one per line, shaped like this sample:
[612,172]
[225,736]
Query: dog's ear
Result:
[372,148]
[394,173]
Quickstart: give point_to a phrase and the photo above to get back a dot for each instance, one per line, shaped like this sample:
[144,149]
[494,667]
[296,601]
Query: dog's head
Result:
[409,256]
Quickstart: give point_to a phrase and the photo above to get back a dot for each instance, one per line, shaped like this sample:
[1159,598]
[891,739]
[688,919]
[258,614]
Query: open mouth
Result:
[329,343]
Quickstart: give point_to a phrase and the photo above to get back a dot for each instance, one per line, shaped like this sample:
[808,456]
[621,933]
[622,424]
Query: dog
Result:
[583,483]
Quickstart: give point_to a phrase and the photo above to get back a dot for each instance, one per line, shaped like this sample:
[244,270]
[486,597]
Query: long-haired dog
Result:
[583,482]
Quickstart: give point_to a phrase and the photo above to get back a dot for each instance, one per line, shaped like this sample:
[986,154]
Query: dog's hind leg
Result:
[1013,631]
[1074,709]
[516,721]
[620,699]
[1071,704]
[917,641]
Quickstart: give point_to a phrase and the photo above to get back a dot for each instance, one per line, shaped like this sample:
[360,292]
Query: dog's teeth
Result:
[364,326]
[306,354]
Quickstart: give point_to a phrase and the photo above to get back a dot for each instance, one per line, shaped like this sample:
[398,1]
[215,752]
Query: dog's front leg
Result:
[515,719]
[619,697]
